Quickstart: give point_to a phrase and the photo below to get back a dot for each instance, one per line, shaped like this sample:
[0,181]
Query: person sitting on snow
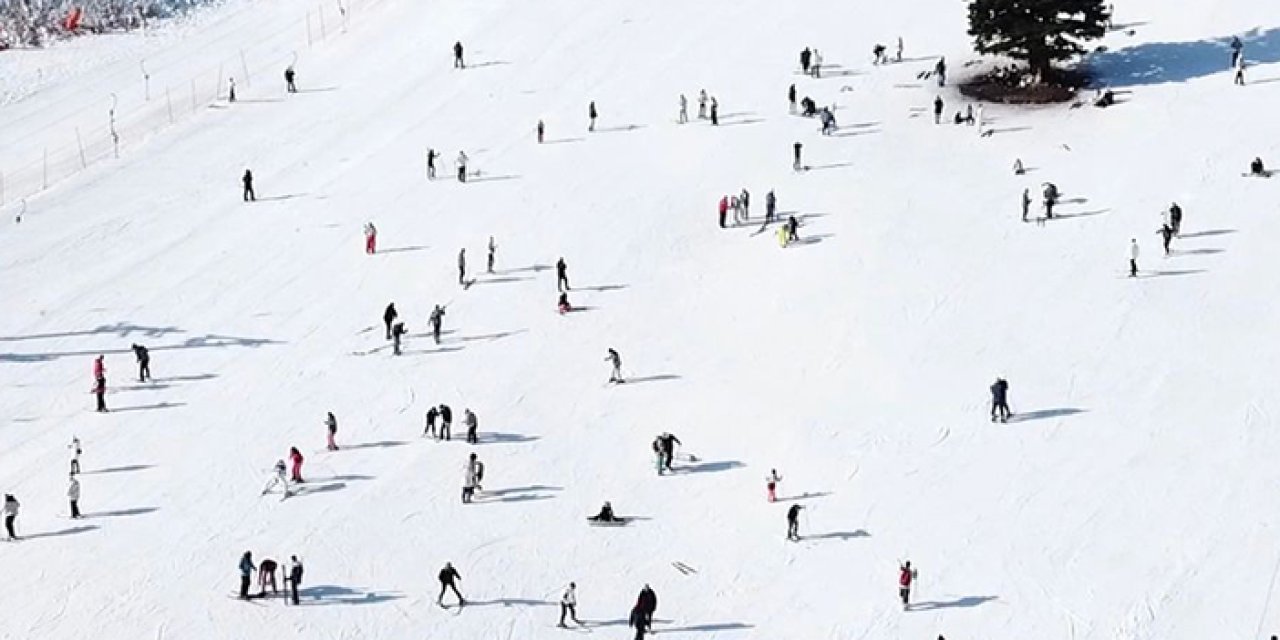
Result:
[605,515]
[1256,168]
[564,305]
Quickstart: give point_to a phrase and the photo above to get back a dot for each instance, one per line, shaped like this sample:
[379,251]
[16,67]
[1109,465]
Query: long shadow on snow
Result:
[150,407]
[814,238]
[805,496]
[62,532]
[500,280]
[1042,414]
[120,329]
[1207,233]
[331,594]
[511,602]
[136,511]
[722,626]
[1170,272]
[710,467]
[504,438]
[493,178]
[1162,62]
[201,342]
[658,378]
[838,535]
[959,603]
[123,469]
[312,489]
[414,247]
[563,140]
[1196,252]
[381,444]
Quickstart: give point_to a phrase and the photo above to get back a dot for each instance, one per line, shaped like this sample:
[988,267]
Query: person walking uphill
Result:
[11,507]
[144,362]
[246,571]
[389,315]
[906,575]
[247,181]
[1000,400]
[449,578]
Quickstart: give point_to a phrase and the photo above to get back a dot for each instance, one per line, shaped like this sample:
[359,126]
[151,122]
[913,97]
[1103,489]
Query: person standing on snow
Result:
[462,266]
[1166,233]
[246,571]
[397,335]
[449,578]
[980,117]
[542,131]
[744,200]
[289,75]
[99,367]
[469,482]
[804,60]
[432,154]
[562,275]
[1240,65]
[267,576]
[1000,400]
[462,166]
[11,507]
[906,575]
[1050,198]
[684,110]
[247,181]
[75,454]
[457,56]
[436,319]
[592,114]
[937,110]
[389,315]
[793,229]
[432,414]
[231,89]
[702,104]
[1175,219]
[724,209]
[569,604]
[470,422]
[770,206]
[898,56]
[940,70]
[1133,258]
[446,421]
[1026,202]
[144,362]
[331,427]
[793,522]
[616,360]
[493,253]
[295,457]
[73,496]
[771,484]
[715,112]
[647,602]
[795,150]
[294,577]
[667,443]
[100,392]
[817,64]
[370,238]
[791,99]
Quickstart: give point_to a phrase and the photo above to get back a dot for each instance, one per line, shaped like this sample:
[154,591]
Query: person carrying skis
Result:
[906,575]
[295,457]
[331,426]
[289,75]
[684,110]
[469,420]
[432,414]
[569,604]
[446,420]
[247,181]
[562,275]
[476,467]
[397,335]
[1000,400]
[616,360]
[436,319]
[144,362]
[73,496]
[294,577]
[75,454]
[370,238]
[793,522]
[771,484]
[877,54]
[1133,257]
[267,576]
[724,209]
[457,56]
[462,266]
[389,315]
[449,578]
[462,166]
[432,154]
[246,570]
[592,114]
[493,253]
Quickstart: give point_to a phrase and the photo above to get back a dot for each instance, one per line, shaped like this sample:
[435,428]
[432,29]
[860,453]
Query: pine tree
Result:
[1040,32]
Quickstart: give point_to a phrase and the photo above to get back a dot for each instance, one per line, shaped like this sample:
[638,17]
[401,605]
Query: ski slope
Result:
[1131,498]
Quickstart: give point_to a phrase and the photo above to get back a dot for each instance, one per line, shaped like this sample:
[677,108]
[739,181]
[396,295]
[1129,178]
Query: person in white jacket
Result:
[1133,258]
[75,454]
[11,507]
[569,604]
[73,495]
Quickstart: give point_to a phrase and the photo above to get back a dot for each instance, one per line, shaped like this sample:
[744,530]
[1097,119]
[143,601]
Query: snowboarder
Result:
[791,98]
[724,209]
[1175,219]
[457,56]
[469,420]
[462,166]
[389,315]
[75,454]
[770,206]
[231,91]
[1133,257]
[73,495]
[331,427]
[436,319]
[144,362]
[267,576]
[804,60]
[100,392]
[937,110]
[542,130]
[715,112]
[795,151]
[493,254]
[462,266]
[432,414]
[294,577]
[1000,400]
[562,275]
[1166,234]
[1026,203]
[793,522]
[247,181]
[667,443]
[906,575]
[11,507]
[702,104]
[446,421]
[246,570]
[289,75]
[592,114]
[432,154]
[295,457]
[569,604]
[940,70]
[648,604]
[279,478]
[683,117]
[616,360]
[370,238]
[397,335]
[771,484]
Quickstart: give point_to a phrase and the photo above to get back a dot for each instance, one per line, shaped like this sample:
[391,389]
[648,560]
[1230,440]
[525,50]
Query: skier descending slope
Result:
[449,578]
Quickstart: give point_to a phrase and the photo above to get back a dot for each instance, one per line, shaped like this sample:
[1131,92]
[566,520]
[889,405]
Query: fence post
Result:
[80,144]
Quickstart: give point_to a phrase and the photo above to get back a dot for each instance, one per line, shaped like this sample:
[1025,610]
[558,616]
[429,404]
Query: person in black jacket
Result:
[791,97]
[562,275]
[793,522]
[432,414]
[647,603]
[593,114]
[805,56]
[389,316]
[294,578]
[289,75]
[1000,400]
[937,110]
[397,333]
[796,151]
[144,362]
[446,419]
[448,580]
[457,56]
[247,180]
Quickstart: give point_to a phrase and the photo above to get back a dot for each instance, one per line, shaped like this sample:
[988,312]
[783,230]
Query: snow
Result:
[1131,497]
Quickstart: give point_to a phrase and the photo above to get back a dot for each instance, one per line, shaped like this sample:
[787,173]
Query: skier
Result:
[247,181]
[793,228]
[906,575]
[462,166]
[246,570]
[592,114]
[1240,65]
[73,495]
[770,206]
[1166,233]
[1237,50]
[569,604]
[231,91]
[397,335]
[279,478]
[469,482]
[702,104]
[11,507]
[144,362]
[432,154]
[667,444]
[793,522]
[100,391]
[388,316]
[795,150]
[791,98]
[804,60]
[940,70]
[294,577]
[771,484]
[648,605]
[267,576]
[563,304]
[469,419]
[562,275]
[715,112]
[616,360]
[724,209]
[493,253]
[457,56]
[446,420]
[1133,257]
[542,130]
[1000,400]
[462,266]
[436,319]
[937,110]
[75,454]
[432,414]
[684,110]
[370,238]
[295,457]
[331,427]
[1175,219]
[1026,202]
[289,75]
[816,67]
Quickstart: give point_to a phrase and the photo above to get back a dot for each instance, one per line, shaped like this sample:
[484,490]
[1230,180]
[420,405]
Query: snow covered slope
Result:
[1132,497]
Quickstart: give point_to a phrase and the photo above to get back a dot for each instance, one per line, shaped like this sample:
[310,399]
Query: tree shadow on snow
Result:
[1043,414]
[331,594]
[959,603]
[1162,62]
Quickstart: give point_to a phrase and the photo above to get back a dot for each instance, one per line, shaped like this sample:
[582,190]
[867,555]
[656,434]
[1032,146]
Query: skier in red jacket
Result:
[295,457]
[906,576]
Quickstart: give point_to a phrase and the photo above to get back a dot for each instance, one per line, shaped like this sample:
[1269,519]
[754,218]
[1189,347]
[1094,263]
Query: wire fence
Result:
[43,157]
